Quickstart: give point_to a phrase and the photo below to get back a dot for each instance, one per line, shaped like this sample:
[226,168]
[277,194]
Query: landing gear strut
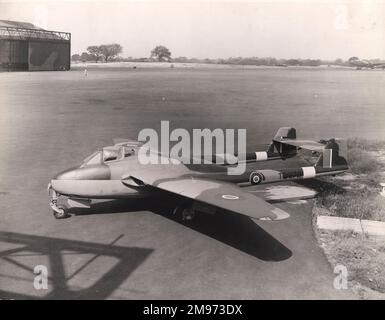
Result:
[184,212]
[59,211]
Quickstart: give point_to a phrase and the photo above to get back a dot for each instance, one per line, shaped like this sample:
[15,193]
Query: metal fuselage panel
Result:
[95,189]
[103,181]
[98,181]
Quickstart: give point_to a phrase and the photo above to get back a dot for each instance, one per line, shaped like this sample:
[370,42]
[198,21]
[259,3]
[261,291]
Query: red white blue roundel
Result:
[229,197]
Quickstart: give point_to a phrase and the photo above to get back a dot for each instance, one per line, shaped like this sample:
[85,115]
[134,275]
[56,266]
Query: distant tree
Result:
[353,59]
[293,62]
[95,51]
[251,61]
[310,62]
[85,56]
[110,50]
[338,61]
[181,59]
[272,61]
[161,53]
[75,57]
[262,62]
[281,62]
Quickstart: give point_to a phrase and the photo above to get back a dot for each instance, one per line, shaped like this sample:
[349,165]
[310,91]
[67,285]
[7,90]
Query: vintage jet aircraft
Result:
[115,172]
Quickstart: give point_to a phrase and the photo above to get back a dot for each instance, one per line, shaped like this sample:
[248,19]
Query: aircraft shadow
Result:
[237,231]
[321,186]
[128,259]
[242,234]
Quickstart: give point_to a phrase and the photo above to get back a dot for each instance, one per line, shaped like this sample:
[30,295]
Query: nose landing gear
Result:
[59,211]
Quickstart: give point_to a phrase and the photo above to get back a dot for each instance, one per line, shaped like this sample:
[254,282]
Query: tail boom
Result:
[332,159]
[271,176]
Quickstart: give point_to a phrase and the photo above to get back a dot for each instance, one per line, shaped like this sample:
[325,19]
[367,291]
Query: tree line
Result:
[110,52]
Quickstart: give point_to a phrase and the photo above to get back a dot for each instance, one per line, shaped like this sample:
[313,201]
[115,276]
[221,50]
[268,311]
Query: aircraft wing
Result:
[181,181]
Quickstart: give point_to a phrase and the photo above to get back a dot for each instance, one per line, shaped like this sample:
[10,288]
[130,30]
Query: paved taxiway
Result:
[121,250]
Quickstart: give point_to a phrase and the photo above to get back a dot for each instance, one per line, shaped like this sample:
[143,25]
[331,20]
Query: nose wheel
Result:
[59,211]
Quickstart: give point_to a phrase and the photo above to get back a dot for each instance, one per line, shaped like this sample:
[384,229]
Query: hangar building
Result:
[26,47]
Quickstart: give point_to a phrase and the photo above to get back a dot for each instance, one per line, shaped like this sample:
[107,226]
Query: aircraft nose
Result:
[77,179]
[100,172]
[68,174]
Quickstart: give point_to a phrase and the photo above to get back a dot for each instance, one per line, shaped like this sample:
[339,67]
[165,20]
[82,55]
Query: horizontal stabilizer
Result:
[303,144]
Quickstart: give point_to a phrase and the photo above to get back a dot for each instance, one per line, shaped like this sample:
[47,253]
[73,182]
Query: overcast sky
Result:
[326,29]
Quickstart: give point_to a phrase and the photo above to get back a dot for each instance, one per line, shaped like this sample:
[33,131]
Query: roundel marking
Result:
[229,197]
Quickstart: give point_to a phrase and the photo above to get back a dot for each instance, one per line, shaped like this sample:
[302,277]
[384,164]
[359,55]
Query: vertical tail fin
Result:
[334,155]
[283,150]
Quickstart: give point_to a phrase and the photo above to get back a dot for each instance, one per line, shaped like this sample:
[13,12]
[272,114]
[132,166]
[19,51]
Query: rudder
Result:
[334,155]
[282,149]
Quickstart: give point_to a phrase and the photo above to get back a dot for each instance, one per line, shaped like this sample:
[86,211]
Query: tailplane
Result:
[283,150]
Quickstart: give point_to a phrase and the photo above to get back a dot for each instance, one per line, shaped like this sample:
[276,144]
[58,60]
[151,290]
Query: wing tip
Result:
[277,214]
[280,214]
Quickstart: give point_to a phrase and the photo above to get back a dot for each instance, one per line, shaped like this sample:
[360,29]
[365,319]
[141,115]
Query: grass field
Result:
[356,195]
[364,258]
[118,102]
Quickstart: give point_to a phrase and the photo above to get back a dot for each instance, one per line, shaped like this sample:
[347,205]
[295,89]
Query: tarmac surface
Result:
[129,250]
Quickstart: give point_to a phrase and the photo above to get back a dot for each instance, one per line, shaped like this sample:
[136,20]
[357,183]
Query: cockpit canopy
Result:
[108,154]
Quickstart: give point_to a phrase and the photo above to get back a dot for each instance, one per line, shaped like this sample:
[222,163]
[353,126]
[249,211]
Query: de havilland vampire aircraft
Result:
[115,173]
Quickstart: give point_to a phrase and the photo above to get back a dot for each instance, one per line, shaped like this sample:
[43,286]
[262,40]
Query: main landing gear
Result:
[59,211]
[184,212]
[187,211]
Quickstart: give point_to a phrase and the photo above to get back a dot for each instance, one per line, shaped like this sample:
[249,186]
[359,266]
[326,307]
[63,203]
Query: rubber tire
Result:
[63,215]
[178,214]
[255,178]
[192,214]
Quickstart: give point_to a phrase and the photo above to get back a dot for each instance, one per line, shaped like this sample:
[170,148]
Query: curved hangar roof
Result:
[17,24]
[16,30]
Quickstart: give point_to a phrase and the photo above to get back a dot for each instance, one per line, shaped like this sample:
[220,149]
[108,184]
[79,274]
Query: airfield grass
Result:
[359,205]
[362,156]
[356,197]
[363,257]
